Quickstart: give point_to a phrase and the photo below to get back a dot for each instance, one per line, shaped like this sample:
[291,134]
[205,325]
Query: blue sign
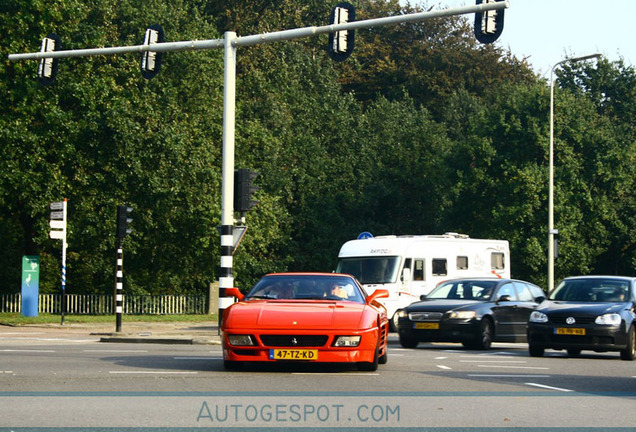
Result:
[30,285]
[365,235]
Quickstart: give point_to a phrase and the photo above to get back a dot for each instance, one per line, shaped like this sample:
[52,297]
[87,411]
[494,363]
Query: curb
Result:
[160,340]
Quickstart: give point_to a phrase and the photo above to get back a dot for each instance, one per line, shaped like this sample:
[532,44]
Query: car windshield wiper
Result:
[260,297]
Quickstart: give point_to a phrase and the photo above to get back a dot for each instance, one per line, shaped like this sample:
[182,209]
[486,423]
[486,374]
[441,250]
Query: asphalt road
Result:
[77,381]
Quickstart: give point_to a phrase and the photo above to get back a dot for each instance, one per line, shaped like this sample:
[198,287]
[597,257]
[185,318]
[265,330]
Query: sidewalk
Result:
[131,332]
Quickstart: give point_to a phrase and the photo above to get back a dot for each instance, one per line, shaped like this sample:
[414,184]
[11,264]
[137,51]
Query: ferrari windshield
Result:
[591,290]
[464,290]
[371,270]
[306,287]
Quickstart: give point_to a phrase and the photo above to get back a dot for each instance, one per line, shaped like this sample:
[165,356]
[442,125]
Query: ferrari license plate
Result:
[293,354]
[569,331]
[427,326]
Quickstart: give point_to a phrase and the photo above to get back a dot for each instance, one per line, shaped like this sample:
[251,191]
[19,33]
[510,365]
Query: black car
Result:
[586,313]
[475,312]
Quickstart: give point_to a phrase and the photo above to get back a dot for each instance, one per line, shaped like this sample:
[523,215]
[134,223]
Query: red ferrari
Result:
[306,317]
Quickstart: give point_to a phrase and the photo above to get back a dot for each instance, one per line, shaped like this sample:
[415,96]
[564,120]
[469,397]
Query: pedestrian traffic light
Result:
[123,221]
[151,60]
[244,189]
[489,24]
[341,42]
[47,69]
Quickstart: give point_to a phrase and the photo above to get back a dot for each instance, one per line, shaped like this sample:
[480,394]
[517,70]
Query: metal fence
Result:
[89,304]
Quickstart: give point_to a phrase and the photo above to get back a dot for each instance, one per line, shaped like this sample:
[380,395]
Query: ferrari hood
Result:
[295,314]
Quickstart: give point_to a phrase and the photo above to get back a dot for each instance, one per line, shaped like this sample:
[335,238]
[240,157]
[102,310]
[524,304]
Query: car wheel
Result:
[408,341]
[574,352]
[535,351]
[393,323]
[384,357]
[629,353]
[370,366]
[484,337]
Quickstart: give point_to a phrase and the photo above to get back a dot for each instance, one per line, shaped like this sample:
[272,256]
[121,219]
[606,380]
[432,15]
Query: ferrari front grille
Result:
[294,340]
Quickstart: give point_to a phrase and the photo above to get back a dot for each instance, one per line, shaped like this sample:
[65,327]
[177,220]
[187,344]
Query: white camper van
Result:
[409,266]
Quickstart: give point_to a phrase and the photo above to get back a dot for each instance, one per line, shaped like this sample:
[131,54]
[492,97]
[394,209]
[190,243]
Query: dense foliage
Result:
[421,131]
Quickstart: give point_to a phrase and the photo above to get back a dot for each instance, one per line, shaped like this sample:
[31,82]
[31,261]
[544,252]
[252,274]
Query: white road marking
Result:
[116,351]
[197,358]
[440,358]
[481,356]
[28,350]
[20,333]
[335,373]
[548,387]
[444,367]
[153,372]
[6,372]
[493,361]
[508,376]
[512,367]
[49,339]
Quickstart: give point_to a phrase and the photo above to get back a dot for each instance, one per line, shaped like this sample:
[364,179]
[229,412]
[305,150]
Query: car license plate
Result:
[427,326]
[569,331]
[293,354]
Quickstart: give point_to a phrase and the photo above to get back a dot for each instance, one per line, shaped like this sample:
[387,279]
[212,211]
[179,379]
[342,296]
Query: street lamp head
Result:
[585,57]
[577,59]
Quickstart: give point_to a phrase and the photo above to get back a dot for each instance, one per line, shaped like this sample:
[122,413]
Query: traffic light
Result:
[341,42]
[151,60]
[47,69]
[489,24]
[244,189]
[123,220]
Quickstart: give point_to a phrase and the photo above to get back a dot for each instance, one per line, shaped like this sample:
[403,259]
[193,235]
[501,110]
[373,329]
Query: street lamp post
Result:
[551,230]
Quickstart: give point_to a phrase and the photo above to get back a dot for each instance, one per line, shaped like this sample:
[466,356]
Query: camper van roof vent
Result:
[456,235]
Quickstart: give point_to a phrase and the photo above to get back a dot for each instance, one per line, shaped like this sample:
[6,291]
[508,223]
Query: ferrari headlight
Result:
[240,340]
[612,319]
[538,317]
[347,341]
[462,314]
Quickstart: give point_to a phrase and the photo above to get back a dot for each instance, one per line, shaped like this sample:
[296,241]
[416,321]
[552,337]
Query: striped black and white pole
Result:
[119,287]
[226,275]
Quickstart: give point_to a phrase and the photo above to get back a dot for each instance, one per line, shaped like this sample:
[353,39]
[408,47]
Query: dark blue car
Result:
[586,313]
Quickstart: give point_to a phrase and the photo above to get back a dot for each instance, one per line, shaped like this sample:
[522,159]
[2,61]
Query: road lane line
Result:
[153,372]
[548,387]
[512,367]
[441,358]
[28,350]
[444,367]
[197,358]
[335,373]
[116,351]
[493,361]
[508,376]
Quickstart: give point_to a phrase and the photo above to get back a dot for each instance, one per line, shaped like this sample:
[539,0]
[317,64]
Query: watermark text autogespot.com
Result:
[313,414]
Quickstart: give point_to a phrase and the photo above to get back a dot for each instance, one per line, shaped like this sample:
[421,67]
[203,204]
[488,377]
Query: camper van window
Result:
[418,270]
[371,270]
[439,267]
[462,263]
[497,261]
